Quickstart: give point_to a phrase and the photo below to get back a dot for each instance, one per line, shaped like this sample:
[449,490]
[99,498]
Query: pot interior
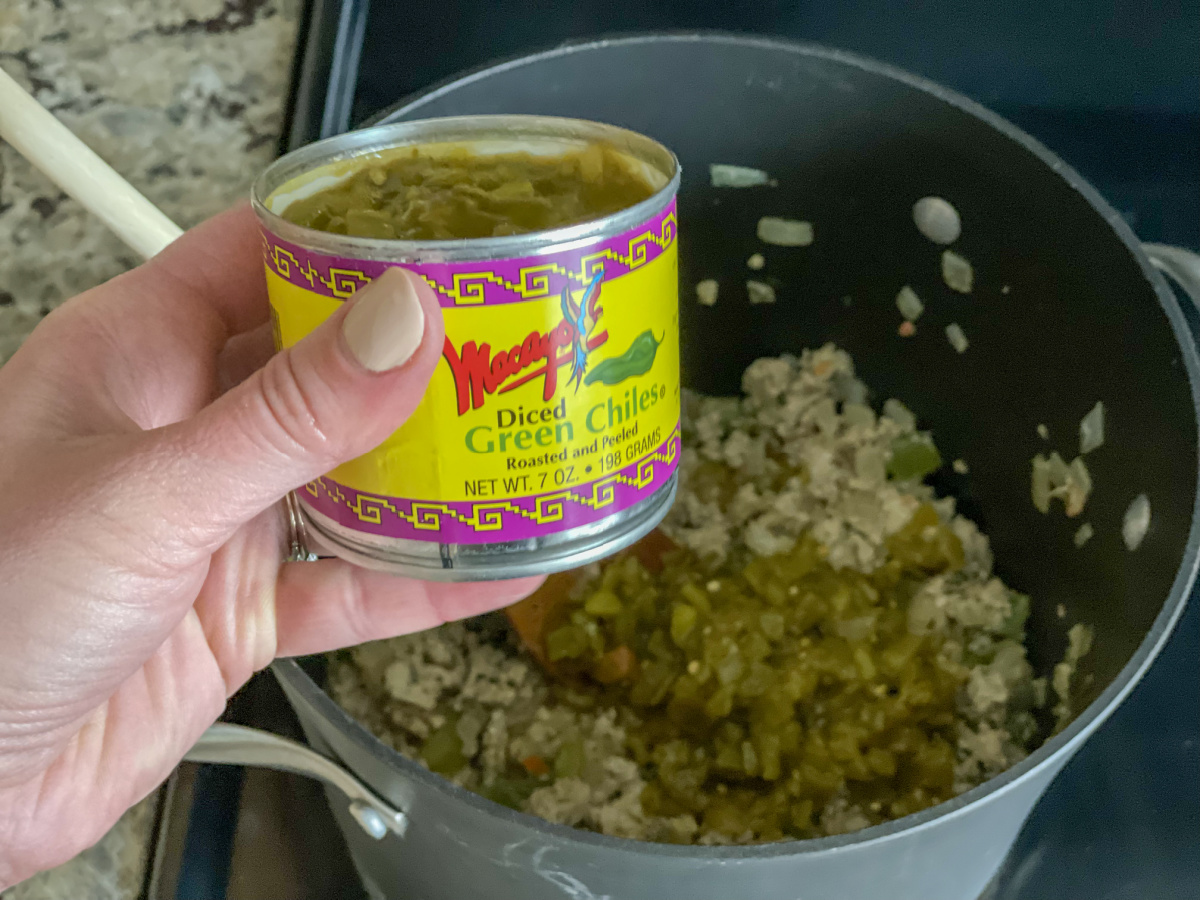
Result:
[1062,314]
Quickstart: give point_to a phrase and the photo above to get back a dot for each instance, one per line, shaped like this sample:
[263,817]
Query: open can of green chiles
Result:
[549,434]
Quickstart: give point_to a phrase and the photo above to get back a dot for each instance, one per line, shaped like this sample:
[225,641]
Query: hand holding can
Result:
[148,434]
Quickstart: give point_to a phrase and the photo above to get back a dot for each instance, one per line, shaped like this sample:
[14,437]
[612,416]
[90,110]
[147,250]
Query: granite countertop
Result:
[184,98]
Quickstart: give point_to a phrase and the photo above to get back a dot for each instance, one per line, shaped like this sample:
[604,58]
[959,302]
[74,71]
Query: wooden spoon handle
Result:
[73,166]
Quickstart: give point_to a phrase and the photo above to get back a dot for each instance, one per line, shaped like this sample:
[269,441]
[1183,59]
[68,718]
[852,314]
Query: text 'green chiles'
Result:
[637,360]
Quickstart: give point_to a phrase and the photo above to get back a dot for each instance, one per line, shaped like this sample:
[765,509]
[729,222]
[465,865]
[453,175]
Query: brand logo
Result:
[479,372]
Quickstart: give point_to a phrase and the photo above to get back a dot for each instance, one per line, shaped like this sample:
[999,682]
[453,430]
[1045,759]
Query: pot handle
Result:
[226,744]
[1182,265]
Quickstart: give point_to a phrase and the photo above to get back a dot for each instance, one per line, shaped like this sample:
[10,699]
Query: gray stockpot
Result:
[1085,317]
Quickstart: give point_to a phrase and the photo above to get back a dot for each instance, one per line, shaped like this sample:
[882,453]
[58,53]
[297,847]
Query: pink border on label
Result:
[483,282]
[493,521]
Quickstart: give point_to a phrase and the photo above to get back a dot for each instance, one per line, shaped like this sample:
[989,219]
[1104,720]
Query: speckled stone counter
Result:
[185,99]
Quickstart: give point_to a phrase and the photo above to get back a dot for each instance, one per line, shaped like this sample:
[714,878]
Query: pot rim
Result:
[1053,752]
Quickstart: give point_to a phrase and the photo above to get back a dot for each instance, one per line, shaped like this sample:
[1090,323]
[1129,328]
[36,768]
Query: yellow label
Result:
[544,413]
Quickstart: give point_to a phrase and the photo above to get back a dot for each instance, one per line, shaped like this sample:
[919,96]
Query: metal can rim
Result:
[462,128]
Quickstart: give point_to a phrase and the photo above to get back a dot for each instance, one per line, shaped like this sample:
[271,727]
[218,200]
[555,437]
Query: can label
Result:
[555,403]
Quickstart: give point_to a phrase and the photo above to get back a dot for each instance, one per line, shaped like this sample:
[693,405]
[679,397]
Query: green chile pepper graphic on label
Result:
[637,360]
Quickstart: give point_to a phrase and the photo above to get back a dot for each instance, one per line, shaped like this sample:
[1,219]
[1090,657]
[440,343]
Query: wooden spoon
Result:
[75,168]
[545,609]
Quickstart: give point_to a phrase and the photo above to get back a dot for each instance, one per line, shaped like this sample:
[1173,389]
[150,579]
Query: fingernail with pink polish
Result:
[384,326]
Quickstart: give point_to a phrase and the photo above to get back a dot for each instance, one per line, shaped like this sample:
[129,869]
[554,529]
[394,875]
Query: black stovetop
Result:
[1113,88]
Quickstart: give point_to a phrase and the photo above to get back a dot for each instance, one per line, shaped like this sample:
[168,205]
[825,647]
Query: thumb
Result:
[333,396]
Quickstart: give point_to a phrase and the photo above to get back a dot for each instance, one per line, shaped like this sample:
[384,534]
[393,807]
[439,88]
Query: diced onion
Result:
[726,176]
[957,272]
[1077,487]
[1058,471]
[909,304]
[706,291]
[1091,429]
[899,413]
[1084,534]
[937,220]
[1137,522]
[784,232]
[760,292]
[756,262]
[1054,477]
[956,337]
[1041,484]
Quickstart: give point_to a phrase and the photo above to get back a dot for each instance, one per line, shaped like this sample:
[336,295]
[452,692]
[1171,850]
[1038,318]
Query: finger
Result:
[146,341]
[329,604]
[208,285]
[337,394]
[216,267]
[243,355]
[184,305]
[251,609]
